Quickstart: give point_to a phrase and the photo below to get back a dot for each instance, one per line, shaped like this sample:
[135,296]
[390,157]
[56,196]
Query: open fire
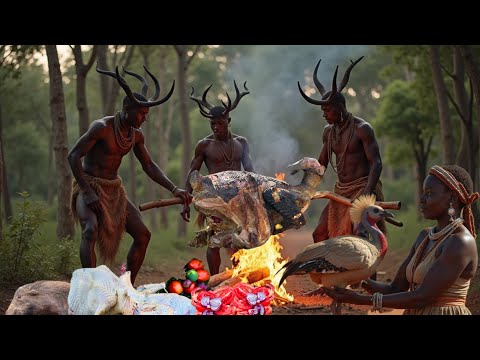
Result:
[266,256]
[269,255]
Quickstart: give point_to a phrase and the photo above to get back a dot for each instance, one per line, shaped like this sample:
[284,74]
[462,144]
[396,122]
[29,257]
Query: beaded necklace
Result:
[122,141]
[228,159]
[338,131]
[421,248]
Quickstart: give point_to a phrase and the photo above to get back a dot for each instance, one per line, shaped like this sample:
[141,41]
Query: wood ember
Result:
[216,279]
[251,276]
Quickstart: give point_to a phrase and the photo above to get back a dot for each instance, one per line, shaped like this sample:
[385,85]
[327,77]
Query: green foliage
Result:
[21,259]
[400,240]
[66,256]
[25,255]
[24,143]
[401,189]
[400,120]
[12,56]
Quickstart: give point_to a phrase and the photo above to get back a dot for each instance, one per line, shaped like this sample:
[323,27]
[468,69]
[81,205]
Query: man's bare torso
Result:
[354,163]
[214,157]
[104,159]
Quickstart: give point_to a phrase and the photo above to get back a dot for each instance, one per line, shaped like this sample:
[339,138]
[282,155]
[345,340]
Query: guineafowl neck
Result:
[310,183]
[378,238]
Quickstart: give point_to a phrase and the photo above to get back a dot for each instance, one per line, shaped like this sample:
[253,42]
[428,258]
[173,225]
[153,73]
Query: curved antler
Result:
[139,77]
[128,91]
[317,82]
[330,97]
[202,103]
[157,85]
[228,107]
[347,74]
[239,95]
[105,72]
[320,87]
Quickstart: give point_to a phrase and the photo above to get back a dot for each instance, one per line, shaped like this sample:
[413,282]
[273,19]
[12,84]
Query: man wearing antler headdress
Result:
[357,158]
[220,151]
[99,199]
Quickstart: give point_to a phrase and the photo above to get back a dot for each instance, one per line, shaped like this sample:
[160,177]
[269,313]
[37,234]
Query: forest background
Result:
[422,100]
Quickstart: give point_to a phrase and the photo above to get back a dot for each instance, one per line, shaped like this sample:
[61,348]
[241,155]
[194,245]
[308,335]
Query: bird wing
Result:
[339,254]
[336,255]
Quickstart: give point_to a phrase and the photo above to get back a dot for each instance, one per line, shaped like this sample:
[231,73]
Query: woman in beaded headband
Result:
[435,277]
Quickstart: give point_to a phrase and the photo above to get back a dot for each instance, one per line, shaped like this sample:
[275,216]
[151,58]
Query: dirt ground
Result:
[293,242]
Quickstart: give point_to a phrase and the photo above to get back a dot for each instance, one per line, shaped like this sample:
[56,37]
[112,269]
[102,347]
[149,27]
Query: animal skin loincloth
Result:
[113,215]
[339,222]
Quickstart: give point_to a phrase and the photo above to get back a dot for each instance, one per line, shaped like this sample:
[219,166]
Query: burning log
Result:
[217,279]
[231,282]
[251,277]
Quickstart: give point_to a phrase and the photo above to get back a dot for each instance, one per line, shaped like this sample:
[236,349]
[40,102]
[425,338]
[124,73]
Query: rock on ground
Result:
[40,298]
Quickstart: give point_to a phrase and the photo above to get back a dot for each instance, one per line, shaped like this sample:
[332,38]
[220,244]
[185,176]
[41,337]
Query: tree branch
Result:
[453,76]
[462,116]
[416,153]
[179,49]
[193,55]
[470,105]
[429,146]
[93,56]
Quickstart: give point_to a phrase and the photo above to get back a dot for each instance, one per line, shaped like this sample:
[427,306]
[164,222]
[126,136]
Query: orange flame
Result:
[266,256]
[269,255]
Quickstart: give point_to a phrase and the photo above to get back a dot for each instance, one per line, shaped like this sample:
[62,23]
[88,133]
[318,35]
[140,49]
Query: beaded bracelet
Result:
[377,299]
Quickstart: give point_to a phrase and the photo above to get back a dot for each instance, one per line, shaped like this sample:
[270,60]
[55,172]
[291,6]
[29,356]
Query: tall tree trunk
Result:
[166,154]
[148,125]
[65,226]
[115,88]
[163,140]
[82,71]
[7,204]
[448,155]
[467,155]
[51,169]
[183,63]
[104,80]
[1,177]
[473,71]
[461,99]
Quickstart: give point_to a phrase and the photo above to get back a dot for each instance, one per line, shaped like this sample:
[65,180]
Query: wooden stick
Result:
[394,205]
[161,203]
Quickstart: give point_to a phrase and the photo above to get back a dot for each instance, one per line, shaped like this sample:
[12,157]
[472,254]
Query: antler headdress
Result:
[153,100]
[205,106]
[322,90]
